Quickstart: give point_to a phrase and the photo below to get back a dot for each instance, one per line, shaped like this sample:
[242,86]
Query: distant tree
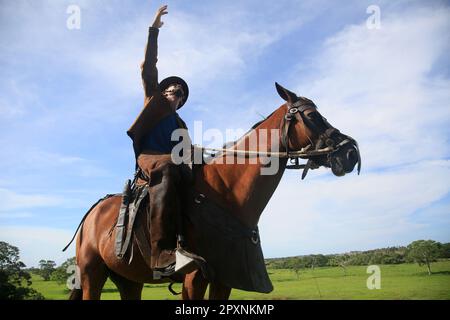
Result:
[389,255]
[393,258]
[46,268]
[60,274]
[15,282]
[320,260]
[360,259]
[424,252]
[341,260]
[296,270]
[376,257]
[295,265]
[307,262]
[445,251]
[313,262]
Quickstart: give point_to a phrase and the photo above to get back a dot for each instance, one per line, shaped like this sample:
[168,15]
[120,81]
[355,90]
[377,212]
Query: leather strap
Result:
[139,193]
[143,244]
[120,225]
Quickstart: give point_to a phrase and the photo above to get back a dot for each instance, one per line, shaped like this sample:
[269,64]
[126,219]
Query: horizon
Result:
[303,255]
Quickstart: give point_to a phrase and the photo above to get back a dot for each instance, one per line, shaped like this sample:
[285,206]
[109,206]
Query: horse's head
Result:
[304,129]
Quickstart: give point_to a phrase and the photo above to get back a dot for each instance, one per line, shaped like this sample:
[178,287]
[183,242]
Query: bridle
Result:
[330,140]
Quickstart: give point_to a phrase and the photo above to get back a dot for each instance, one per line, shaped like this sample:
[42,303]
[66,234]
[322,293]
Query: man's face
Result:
[175,94]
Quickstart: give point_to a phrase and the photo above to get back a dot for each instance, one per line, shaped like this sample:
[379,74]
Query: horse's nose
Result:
[351,159]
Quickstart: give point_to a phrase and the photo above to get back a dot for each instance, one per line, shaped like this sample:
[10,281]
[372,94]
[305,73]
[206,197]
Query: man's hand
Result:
[161,11]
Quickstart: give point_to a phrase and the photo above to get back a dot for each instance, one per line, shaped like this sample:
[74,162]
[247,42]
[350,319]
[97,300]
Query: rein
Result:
[302,153]
[326,145]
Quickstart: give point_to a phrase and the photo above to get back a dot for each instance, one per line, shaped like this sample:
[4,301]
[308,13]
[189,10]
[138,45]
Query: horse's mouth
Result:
[337,168]
[344,162]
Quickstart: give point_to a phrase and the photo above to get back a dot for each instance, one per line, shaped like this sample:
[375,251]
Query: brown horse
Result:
[301,133]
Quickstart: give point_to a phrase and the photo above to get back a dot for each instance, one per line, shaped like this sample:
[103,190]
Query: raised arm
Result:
[148,67]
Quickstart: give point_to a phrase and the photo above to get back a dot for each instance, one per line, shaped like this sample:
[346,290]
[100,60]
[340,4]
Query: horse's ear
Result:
[285,93]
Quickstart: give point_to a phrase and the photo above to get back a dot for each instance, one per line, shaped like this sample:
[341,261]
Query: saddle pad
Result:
[232,251]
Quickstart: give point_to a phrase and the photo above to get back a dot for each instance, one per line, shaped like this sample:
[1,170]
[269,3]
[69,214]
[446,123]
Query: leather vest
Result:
[156,108]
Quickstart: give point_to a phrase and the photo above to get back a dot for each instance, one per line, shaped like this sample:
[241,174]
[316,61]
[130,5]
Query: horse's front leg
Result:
[218,291]
[194,286]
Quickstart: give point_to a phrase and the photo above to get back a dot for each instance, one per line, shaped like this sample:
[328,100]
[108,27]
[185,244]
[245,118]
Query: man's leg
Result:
[184,192]
[164,210]
[166,196]
[163,206]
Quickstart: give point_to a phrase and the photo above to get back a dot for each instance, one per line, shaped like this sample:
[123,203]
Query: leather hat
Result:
[167,82]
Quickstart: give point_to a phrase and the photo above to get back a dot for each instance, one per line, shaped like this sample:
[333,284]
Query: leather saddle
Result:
[132,203]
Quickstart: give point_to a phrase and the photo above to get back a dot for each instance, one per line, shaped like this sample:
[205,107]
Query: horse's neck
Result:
[241,187]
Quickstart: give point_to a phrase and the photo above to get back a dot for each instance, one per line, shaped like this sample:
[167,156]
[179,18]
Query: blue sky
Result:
[67,98]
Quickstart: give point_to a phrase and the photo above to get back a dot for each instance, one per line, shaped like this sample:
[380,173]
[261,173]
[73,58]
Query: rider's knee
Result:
[171,170]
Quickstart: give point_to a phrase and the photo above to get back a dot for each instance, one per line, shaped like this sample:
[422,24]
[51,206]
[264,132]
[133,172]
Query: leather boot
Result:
[164,259]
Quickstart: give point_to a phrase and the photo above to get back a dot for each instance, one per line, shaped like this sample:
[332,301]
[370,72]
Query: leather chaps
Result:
[168,185]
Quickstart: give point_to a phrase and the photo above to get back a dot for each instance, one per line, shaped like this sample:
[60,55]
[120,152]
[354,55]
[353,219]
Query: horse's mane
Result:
[231,144]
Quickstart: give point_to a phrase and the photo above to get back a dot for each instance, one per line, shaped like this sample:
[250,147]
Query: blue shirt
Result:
[159,138]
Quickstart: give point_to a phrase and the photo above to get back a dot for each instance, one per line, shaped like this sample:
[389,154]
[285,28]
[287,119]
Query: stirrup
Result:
[186,262]
[164,272]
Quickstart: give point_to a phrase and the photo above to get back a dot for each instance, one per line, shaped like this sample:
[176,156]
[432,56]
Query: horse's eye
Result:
[317,119]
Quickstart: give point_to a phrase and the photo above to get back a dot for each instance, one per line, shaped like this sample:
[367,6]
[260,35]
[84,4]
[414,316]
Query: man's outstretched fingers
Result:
[157,23]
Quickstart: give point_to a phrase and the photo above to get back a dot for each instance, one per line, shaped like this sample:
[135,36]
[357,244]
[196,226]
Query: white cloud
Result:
[37,161]
[354,212]
[36,243]
[379,86]
[22,204]
[13,201]
[15,215]
[107,59]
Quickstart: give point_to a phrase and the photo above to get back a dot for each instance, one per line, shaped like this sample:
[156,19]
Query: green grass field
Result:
[404,281]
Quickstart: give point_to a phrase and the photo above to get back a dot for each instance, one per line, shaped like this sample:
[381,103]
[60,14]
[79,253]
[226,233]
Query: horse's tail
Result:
[85,216]
[76,294]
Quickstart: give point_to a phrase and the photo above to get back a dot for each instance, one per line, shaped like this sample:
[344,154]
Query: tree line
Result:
[424,252]
[15,281]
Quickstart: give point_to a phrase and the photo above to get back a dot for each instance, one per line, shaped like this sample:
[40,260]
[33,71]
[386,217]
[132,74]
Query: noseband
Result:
[327,144]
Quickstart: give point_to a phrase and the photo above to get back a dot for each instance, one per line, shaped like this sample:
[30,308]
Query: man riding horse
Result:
[151,134]
[224,205]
